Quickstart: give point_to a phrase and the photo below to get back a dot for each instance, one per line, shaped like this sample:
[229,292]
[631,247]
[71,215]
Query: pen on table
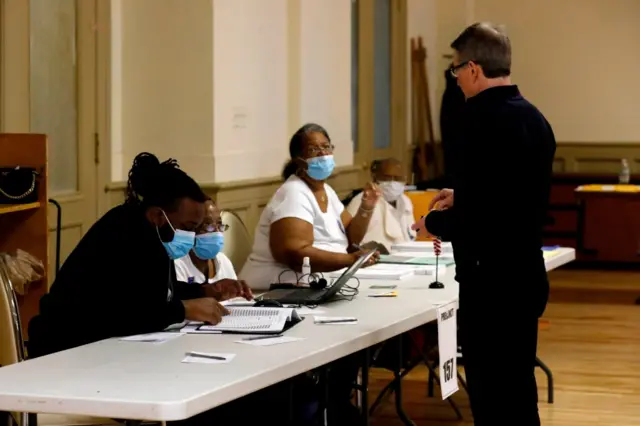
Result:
[333,321]
[206,356]
[268,336]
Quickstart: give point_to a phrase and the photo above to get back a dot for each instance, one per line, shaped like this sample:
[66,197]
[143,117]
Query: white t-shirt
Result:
[389,225]
[187,272]
[293,199]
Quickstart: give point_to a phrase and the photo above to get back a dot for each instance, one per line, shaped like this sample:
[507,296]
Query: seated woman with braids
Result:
[120,278]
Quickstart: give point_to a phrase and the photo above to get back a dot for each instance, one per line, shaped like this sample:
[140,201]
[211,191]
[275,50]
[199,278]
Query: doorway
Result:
[379,73]
[62,104]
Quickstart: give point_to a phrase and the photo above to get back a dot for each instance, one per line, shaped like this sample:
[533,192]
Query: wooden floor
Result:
[591,343]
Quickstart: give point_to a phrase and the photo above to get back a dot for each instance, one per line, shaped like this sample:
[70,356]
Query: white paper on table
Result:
[271,341]
[375,274]
[203,360]
[151,337]
[448,348]
[304,310]
[421,246]
[417,269]
[238,301]
[335,320]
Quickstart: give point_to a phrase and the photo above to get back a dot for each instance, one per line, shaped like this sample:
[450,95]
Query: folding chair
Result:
[12,350]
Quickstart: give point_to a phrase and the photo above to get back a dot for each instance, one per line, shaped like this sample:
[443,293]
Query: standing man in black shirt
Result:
[501,196]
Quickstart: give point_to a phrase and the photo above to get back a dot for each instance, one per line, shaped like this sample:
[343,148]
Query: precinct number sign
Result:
[448,348]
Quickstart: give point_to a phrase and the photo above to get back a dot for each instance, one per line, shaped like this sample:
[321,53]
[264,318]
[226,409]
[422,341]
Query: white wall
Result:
[222,84]
[250,85]
[166,83]
[325,71]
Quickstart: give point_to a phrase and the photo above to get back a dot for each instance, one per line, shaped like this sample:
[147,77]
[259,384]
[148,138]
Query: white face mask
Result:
[391,190]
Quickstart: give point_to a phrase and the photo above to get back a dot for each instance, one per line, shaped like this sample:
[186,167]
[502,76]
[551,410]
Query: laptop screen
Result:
[348,274]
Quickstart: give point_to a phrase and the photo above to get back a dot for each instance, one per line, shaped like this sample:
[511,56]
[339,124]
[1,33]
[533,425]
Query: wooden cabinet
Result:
[24,226]
[609,226]
[601,226]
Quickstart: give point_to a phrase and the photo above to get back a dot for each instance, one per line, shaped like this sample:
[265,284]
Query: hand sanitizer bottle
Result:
[306,271]
[625,173]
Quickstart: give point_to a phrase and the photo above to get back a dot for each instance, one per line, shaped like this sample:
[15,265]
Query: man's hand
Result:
[228,289]
[370,195]
[205,309]
[443,200]
[421,228]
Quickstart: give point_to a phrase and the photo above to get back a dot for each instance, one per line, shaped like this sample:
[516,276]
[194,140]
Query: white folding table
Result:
[143,381]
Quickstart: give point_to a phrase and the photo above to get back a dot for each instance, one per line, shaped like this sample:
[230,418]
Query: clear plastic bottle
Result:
[306,271]
[625,173]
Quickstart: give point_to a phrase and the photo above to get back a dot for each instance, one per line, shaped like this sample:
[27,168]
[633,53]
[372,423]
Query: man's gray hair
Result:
[488,46]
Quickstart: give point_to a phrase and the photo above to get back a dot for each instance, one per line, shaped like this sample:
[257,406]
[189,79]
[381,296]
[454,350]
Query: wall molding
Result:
[247,198]
[596,157]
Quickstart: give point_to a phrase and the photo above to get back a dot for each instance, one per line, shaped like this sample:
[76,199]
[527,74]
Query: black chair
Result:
[58,231]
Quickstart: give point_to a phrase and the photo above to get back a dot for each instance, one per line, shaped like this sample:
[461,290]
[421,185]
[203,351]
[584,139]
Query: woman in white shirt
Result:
[305,218]
[206,263]
[392,217]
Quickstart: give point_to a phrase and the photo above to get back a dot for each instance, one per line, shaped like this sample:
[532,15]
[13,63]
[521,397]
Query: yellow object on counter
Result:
[608,188]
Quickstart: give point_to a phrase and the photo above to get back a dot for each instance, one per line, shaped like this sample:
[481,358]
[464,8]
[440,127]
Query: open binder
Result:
[251,320]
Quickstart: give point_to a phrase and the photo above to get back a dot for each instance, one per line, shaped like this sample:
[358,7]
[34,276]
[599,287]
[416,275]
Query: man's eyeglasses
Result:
[454,70]
[324,149]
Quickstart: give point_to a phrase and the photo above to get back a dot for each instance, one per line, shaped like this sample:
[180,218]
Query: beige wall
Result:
[578,61]
[164,83]
[222,84]
[574,59]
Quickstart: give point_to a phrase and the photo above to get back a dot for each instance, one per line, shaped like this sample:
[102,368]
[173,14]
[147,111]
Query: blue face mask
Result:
[208,245]
[320,168]
[181,244]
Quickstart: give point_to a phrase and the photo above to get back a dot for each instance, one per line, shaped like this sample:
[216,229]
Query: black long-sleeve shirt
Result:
[451,110]
[115,283]
[501,195]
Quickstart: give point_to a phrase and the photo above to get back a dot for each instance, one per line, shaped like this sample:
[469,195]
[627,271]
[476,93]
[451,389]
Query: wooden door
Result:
[379,63]
[62,92]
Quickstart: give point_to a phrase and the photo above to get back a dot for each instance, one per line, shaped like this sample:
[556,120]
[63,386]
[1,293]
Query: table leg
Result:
[398,384]
[290,397]
[324,374]
[6,419]
[364,387]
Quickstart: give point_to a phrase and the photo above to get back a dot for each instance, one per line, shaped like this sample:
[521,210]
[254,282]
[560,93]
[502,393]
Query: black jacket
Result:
[501,198]
[114,283]
[451,116]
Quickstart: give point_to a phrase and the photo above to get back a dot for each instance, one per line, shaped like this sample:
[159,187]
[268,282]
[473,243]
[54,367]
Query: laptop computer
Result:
[308,296]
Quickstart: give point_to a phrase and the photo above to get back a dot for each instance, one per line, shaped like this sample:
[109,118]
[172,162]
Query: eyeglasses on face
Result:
[213,227]
[221,227]
[314,151]
[455,70]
